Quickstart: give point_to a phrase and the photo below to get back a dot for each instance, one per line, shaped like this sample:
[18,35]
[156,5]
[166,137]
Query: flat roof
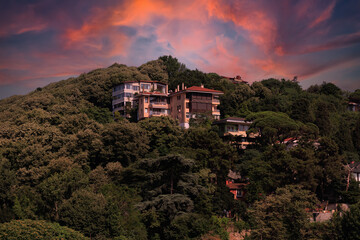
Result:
[145,81]
[232,120]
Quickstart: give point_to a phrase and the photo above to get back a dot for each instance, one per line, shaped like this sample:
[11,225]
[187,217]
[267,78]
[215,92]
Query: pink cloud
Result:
[325,15]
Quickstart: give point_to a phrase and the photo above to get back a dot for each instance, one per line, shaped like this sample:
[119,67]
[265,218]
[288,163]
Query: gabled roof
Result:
[236,185]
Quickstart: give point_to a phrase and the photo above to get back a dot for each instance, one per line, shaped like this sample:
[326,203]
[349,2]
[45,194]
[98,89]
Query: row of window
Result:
[130,86]
[237,128]
[122,95]
[128,104]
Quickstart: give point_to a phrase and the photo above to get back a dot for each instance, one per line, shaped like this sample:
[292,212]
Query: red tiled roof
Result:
[236,185]
[201,89]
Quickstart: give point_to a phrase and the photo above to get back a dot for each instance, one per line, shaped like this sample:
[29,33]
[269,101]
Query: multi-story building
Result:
[152,104]
[153,99]
[235,129]
[189,102]
[124,95]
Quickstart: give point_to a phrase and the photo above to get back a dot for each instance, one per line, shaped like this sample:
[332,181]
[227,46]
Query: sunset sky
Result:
[43,41]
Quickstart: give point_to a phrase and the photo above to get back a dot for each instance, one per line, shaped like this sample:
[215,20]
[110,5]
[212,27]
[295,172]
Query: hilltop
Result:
[65,159]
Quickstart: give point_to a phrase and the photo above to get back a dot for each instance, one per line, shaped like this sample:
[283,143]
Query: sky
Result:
[43,41]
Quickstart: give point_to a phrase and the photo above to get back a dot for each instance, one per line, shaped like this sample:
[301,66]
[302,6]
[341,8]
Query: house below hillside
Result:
[152,98]
[235,185]
[353,106]
[234,128]
[236,80]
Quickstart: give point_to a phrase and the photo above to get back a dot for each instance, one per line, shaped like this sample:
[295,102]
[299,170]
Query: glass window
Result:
[128,86]
[146,110]
[146,99]
[136,88]
[118,88]
[145,86]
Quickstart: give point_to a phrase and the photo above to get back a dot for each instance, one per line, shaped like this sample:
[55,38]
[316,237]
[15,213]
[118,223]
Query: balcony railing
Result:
[158,103]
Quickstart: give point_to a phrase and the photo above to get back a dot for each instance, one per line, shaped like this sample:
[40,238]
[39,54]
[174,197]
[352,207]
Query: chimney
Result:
[182,86]
[178,88]
[202,85]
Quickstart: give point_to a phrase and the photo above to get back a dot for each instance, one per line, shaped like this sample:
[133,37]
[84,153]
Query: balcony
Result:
[158,105]
[159,113]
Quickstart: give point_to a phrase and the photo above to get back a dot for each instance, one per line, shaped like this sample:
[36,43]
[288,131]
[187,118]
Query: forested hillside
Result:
[65,159]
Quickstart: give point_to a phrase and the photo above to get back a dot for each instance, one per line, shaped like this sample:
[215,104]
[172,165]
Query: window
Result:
[119,105]
[146,99]
[239,194]
[146,110]
[136,88]
[187,105]
[201,107]
[119,96]
[145,86]
[128,86]
[118,88]
[187,115]
[179,97]
[128,95]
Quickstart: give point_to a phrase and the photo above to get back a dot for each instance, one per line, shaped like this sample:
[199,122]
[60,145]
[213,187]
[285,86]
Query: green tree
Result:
[164,134]
[123,142]
[37,229]
[282,215]
[173,66]
[156,70]
[273,126]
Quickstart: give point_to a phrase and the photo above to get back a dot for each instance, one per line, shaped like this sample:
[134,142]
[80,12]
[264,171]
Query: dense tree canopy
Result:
[65,158]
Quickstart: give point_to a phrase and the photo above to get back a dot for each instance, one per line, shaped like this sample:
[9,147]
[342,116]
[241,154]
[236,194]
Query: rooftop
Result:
[198,89]
[232,120]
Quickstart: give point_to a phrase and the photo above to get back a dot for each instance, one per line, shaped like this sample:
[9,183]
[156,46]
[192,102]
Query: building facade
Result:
[190,102]
[153,99]
[234,128]
[124,95]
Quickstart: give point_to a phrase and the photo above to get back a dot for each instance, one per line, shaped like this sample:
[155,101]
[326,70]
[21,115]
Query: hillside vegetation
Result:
[65,159]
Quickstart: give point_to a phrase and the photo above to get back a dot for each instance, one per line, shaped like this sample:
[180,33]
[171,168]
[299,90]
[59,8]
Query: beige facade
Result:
[153,99]
[124,95]
[237,127]
[152,104]
[189,102]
